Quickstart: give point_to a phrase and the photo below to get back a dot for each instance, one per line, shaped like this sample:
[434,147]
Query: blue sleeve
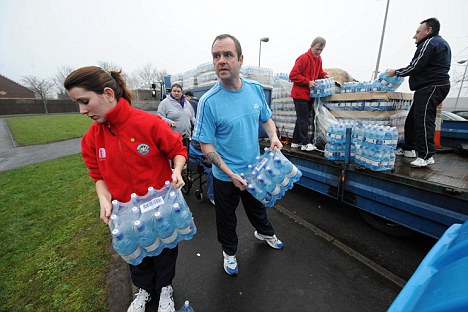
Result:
[204,126]
[265,112]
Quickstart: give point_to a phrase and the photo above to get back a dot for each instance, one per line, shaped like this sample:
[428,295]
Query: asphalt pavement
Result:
[311,273]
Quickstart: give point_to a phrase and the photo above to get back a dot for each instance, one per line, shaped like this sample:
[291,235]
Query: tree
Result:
[62,73]
[149,74]
[41,87]
[107,65]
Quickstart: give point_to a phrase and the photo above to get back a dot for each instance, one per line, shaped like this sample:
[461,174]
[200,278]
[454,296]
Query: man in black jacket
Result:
[430,81]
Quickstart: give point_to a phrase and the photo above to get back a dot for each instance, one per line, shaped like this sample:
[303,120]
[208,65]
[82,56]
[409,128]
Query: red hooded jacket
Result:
[306,68]
[131,151]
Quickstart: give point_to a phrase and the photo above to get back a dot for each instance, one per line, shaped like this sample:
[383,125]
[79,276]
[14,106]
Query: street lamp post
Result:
[463,79]
[264,39]
[376,71]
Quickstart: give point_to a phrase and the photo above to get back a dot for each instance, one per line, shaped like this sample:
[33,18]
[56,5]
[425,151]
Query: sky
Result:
[39,36]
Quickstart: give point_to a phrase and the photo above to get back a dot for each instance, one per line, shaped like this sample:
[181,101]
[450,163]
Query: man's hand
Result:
[239,182]
[391,73]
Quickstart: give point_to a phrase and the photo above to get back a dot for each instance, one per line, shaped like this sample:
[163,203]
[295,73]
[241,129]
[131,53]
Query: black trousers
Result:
[420,123]
[227,199]
[301,128]
[154,273]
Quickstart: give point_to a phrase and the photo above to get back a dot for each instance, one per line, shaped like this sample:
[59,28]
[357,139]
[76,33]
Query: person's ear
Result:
[109,93]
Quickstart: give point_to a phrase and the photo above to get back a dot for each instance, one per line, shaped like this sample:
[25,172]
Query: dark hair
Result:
[189,93]
[434,24]
[236,43]
[176,85]
[94,78]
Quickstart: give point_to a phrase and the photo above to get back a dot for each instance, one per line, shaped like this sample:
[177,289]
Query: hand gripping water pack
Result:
[270,177]
[323,87]
[147,224]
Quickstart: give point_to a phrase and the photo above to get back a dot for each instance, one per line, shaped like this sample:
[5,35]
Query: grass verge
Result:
[43,129]
[55,250]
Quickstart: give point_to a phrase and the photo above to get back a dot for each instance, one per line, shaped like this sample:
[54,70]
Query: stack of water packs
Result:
[323,87]
[270,177]
[372,146]
[147,224]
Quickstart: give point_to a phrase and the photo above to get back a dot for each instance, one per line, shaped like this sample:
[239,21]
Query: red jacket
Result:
[306,68]
[131,151]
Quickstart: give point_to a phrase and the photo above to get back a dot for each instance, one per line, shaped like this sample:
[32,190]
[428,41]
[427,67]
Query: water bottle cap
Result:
[176,206]
[116,233]
[138,224]
[133,195]
[113,217]
[157,215]
[150,189]
[135,209]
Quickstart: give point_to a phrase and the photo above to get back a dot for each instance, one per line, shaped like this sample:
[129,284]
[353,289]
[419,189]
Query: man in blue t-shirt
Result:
[227,123]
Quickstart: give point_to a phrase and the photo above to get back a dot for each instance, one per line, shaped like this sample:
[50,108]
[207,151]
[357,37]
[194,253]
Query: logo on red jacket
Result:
[102,153]
[143,149]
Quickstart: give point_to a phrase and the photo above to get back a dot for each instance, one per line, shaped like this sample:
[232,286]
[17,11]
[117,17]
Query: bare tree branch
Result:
[41,87]
[62,73]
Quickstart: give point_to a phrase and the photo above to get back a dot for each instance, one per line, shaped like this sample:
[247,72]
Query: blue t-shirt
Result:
[230,120]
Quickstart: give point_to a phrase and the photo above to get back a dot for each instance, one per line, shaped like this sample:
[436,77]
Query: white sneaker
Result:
[273,241]
[166,301]
[406,153]
[295,145]
[141,299]
[309,147]
[230,264]
[419,162]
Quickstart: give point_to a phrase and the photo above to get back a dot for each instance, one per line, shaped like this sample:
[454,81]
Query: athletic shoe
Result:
[273,241]
[141,299]
[406,153]
[309,147]
[166,301]
[295,145]
[230,264]
[419,162]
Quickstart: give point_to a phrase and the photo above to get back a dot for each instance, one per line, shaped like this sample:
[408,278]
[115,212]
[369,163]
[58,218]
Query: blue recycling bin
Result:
[440,282]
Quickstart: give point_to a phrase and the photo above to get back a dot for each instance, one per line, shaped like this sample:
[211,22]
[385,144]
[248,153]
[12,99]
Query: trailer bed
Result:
[428,200]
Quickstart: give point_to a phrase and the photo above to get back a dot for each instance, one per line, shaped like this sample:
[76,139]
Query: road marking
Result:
[346,249]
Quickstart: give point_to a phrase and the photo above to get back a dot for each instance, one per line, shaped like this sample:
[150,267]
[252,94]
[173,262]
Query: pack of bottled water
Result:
[323,87]
[372,145]
[389,83]
[146,224]
[382,83]
[271,176]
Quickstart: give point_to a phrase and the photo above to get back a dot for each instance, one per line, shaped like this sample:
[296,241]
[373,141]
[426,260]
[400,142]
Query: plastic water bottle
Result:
[269,184]
[149,234]
[167,230]
[258,193]
[182,219]
[186,307]
[126,247]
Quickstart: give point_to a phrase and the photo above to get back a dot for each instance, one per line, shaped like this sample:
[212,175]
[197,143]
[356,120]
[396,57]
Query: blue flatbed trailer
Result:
[428,200]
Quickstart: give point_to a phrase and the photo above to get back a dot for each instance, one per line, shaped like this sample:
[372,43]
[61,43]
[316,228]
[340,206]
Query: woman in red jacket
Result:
[308,67]
[126,151]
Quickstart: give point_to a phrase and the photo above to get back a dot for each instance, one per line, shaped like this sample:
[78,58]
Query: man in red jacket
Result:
[308,67]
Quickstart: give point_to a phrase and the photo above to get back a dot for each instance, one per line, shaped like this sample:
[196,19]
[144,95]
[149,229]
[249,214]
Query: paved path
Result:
[12,157]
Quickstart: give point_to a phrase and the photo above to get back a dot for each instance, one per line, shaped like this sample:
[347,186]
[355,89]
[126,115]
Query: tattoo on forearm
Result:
[214,158]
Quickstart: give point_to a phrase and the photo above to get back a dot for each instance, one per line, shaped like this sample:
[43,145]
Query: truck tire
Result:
[384,225]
